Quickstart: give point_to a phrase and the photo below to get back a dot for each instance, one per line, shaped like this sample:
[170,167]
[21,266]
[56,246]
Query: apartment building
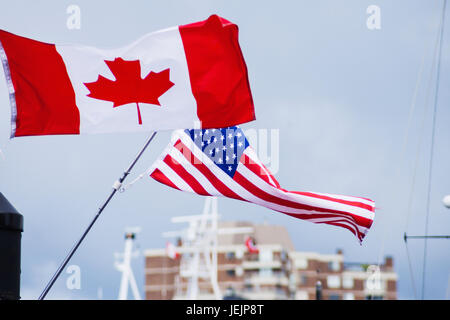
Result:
[276,271]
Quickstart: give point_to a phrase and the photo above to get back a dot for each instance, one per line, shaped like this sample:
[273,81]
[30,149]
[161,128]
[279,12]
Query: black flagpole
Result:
[116,187]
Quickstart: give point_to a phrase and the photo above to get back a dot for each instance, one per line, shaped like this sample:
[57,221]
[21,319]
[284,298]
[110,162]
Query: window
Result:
[334,296]
[265,255]
[333,281]
[301,263]
[265,272]
[231,273]
[230,292]
[334,265]
[280,291]
[278,273]
[370,297]
[284,256]
[301,295]
[303,279]
[347,282]
[230,255]
[349,296]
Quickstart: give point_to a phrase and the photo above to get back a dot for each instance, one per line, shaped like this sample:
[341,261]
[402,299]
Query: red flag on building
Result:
[251,245]
[169,79]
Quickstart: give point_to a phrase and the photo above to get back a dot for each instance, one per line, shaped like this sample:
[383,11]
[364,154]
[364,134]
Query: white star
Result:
[222,137]
[229,168]
[213,130]
[224,148]
[203,143]
[217,149]
[234,155]
[210,151]
[230,136]
[215,139]
[207,131]
[195,136]
[238,134]
[200,133]
[227,158]
[231,145]
[240,144]
[220,160]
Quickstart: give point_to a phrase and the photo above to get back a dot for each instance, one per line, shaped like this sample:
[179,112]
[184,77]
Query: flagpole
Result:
[116,186]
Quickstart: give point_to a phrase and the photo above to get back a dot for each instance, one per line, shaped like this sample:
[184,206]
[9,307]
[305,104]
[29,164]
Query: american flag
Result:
[220,162]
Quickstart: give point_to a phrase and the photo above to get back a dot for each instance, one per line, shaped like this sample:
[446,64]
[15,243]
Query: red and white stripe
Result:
[185,167]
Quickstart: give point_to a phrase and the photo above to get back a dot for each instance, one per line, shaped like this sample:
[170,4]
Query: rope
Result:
[421,130]
[139,177]
[403,153]
[404,145]
[413,282]
[416,164]
[421,135]
[432,147]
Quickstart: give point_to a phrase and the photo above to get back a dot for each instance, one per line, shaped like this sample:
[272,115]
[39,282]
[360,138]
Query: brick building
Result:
[277,271]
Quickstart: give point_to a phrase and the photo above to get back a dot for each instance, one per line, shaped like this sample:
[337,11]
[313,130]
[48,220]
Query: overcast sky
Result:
[338,93]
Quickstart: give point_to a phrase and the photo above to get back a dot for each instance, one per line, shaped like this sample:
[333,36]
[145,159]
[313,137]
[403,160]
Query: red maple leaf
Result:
[129,87]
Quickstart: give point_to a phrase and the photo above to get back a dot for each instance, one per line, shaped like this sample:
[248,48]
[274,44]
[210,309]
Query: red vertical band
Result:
[217,72]
[44,99]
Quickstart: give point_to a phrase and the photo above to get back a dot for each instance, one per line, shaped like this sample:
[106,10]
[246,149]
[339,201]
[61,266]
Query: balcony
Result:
[275,279]
[265,292]
[261,264]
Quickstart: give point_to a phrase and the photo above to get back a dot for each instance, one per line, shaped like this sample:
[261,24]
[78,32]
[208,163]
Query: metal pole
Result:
[406,237]
[116,187]
[318,290]
[11,228]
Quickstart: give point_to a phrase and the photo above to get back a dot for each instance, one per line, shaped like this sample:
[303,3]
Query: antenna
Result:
[125,265]
[446,201]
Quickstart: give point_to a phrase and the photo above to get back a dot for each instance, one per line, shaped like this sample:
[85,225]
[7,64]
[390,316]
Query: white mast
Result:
[125,266]
[201,261]
[199,249]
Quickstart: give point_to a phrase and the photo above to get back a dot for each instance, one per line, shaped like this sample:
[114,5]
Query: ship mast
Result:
[124,266]
[199,248]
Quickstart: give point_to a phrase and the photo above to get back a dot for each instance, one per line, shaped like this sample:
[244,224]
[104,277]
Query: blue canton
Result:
[223,146]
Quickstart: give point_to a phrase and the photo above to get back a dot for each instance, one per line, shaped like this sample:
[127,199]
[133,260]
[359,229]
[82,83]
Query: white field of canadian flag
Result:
[180,77]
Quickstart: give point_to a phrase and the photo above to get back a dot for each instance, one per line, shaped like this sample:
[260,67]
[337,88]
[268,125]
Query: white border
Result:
[9,84]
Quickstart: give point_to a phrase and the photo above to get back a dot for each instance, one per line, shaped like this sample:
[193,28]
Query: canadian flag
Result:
[187,76]
[171,251]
